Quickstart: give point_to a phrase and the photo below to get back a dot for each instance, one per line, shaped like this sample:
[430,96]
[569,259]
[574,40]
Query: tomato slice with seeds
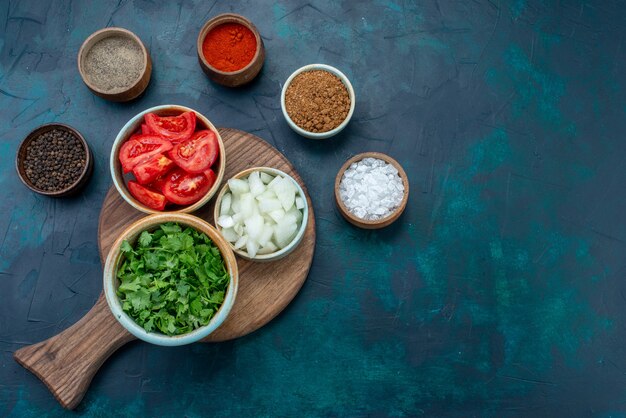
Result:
[175,128]
[210,174]
[198,153]
[140,148]
[145,129]
[184,188]
[149,170]
[159,183]
[146,196]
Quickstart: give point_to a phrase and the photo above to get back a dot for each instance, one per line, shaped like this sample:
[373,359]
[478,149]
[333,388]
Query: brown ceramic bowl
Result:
[137,87]
[234,78]
[121,181]
[380,223]
[71,189]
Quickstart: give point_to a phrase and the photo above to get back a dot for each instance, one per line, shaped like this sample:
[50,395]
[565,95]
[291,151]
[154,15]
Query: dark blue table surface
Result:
[499,292]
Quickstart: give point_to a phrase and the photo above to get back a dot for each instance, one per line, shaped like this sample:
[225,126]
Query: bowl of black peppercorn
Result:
[54,160]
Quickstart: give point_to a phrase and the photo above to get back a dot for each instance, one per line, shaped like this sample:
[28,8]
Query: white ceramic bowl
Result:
[344,80]
[135,124]
[115,258]
[283,252]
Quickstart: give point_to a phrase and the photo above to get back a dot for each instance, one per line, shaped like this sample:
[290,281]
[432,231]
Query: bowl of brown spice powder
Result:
[317,101]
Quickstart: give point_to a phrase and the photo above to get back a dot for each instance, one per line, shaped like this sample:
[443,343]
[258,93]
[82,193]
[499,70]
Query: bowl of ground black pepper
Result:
[54,160]
[230,50]
[317,101]
[115,64]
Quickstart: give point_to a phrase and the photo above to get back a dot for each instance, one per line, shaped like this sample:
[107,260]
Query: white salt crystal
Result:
[371,189]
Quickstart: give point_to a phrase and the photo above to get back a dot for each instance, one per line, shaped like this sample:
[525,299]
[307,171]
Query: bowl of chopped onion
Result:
[262,212]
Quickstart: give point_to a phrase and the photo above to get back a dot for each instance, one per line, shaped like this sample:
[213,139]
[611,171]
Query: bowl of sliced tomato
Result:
[168,158]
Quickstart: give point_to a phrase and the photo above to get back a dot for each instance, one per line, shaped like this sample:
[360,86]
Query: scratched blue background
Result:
[499,292]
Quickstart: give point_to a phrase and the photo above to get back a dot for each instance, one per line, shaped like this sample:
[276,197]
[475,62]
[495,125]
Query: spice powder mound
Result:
[317,101]
[229,47]
[114,63]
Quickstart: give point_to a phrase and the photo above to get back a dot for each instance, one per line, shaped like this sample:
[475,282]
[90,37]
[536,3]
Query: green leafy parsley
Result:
[173,281]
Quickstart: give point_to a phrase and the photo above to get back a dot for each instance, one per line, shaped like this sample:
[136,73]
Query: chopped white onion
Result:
[286,193]
[251,248]
[256,185]
[272,184]
[262,213]
[230,235]
[267,249]
[266,178]
[235,203]
[283,232]
[225,221]
[295,213]
[248,205]
[254,226]
[238,186]
[277,215]
[266,235]
[269,205]
[241,241]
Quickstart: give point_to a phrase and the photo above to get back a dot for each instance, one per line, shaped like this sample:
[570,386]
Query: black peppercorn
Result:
[53,160]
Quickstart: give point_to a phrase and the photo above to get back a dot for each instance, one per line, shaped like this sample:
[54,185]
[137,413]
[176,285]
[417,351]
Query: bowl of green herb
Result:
[170,279]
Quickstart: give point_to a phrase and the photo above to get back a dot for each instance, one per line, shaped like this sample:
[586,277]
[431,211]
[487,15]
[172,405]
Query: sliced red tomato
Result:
[140,148]
[184,188]
[175,128]
[159,183]
[149,170]
[145,130]
[210,174]
[146,196]
[198,153]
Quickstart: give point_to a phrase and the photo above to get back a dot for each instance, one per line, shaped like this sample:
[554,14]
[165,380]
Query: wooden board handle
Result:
[67,362]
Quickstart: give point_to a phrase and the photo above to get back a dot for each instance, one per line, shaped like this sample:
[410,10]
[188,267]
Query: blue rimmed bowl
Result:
[115,259]
[346,83]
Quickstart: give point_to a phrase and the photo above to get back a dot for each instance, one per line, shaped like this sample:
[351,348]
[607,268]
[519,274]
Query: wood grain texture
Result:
[265,289]
[67,362]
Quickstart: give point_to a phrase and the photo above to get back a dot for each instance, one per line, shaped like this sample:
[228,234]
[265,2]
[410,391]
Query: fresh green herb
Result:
[173,281]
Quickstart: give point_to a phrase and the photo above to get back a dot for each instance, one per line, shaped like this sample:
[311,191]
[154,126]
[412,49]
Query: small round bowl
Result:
[318,135]
[380,223]
[133,126]
[72,189]
[136,88]
[234,78]
[115,259]
[299,235]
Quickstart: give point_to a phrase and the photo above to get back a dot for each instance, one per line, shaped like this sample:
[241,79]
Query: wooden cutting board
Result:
[67,362]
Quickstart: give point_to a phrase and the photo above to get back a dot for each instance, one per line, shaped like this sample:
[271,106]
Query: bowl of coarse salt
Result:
[371,190]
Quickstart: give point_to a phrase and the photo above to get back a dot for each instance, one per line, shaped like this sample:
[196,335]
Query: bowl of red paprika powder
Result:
[230,50]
